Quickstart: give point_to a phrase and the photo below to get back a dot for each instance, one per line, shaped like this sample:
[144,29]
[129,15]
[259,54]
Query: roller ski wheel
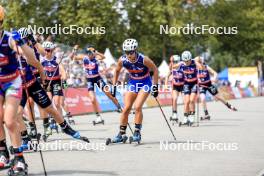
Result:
[118,139]
[135,138]
[205,118]
[4,161]
[174,121]
[54,127]
[79,137]
[98,122]
[131,140]
[188,123]
[71,122]
[18,168]
[45,137]
[35,142]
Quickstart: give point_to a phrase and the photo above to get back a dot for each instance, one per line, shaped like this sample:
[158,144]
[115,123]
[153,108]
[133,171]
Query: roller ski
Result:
[4,160]
[135,138]
[120,138]
[119,110]
[47,132]
[18,167]
[53,125]
[174,118]
[206,117]
[185,122]
[75,134]
[230,106]
[70,119]
[98,120]
[33,132]
[31,144]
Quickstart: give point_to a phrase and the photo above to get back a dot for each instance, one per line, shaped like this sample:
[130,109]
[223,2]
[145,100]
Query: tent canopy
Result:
[164,69]
[109,59]
[223,75]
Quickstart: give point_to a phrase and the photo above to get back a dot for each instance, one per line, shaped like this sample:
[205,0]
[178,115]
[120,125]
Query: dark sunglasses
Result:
[129,52]
[48,50]
[89,52]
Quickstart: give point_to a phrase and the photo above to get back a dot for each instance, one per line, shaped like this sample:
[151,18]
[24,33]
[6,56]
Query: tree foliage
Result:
[141,19]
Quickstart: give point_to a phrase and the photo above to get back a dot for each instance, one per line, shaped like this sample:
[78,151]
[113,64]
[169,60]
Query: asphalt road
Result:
[231,144]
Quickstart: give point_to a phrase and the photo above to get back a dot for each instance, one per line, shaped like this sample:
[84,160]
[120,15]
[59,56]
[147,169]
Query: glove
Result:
[155,91]
[16,36]
[64,84]
[113,91]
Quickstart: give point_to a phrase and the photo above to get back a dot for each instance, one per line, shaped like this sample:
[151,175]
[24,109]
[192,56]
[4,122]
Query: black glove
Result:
[64,84]
[113,90]
[155,90]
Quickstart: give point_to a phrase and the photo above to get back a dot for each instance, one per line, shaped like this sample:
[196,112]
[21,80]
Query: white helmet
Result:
[130,45]
[176,58]
[48,45]
[23,32]
[186,56]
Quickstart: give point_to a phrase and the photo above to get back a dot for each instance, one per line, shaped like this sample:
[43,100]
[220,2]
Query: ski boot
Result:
[33,132]
[18,167]
[205,117]
[174,118]
[98,120]
[70,118]
[47,132]
[119,110]
[75,134]
[230,106]
[120,138]
[184,121]
[4,160]
[135,138]
[53,125]
[191,119]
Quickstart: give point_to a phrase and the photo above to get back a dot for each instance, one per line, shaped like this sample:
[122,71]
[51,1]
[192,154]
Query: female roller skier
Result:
[139,88]
[177,85]
[205,84]
[91,65]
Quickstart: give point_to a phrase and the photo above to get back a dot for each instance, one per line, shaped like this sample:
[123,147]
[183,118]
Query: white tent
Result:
[164,69]
[109,59]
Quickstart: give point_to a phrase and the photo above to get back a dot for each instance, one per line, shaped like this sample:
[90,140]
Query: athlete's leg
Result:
[129,99]
[107,92]
[4,153]
[141,98]
[57,103]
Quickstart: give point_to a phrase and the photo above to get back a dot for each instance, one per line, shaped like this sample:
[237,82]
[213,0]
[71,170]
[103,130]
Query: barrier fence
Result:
[79,103]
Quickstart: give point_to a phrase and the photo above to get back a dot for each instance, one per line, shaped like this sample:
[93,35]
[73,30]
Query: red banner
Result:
[78,101]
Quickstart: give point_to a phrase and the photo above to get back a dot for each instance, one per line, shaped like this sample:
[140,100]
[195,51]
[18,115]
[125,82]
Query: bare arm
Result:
[29,55]
[167,79]
[40,49]
[176,66]
[79,57]
[99,56]
[150,64]
[198,63]
[62,72]
[212,72]
[117,71]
